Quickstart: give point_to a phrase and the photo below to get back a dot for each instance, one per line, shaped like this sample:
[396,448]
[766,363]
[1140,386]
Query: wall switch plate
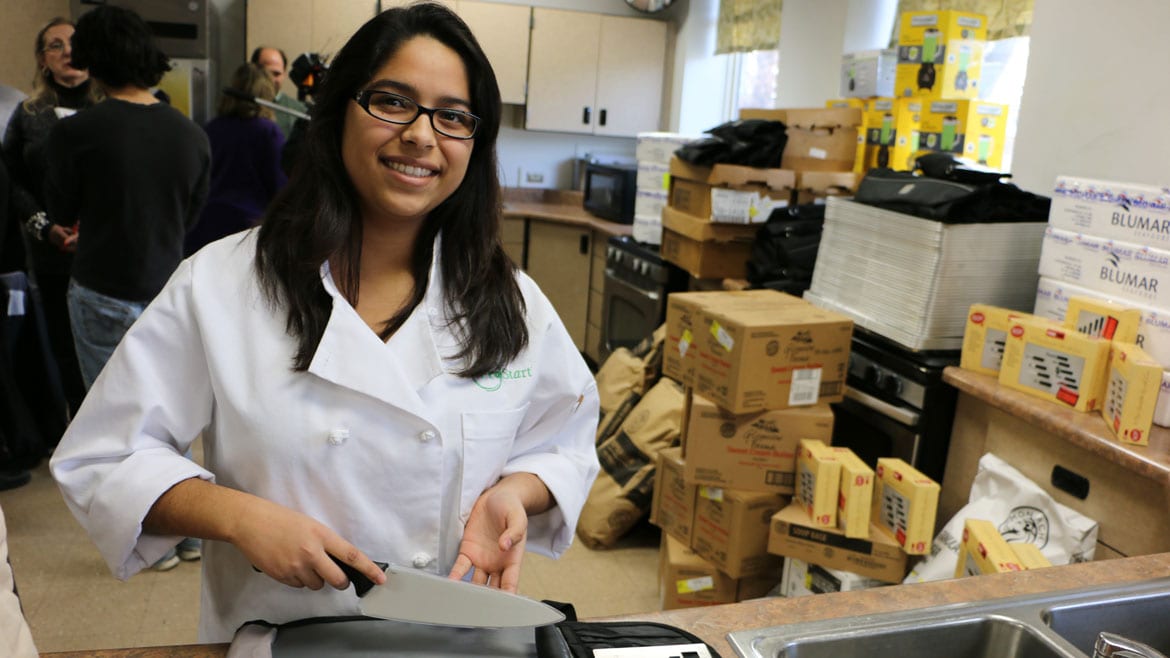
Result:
[534,177]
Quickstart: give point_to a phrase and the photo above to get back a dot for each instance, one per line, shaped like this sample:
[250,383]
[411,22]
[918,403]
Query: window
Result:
[756,74]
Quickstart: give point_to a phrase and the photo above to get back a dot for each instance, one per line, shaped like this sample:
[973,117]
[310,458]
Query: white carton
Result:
[1162,410]
[648,228]
[1124,271]
[658,147]
[1130,212]
[649,203]
[653,177]
[803,579]
[868,73]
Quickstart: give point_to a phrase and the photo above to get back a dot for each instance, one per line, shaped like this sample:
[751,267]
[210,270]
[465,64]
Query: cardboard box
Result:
[856,494]
[1124,271]
[818,186]
[1131,397]
[752,452]
[1103,318]
[907,133]
[672,506]
[1129,212]
[729,194]
[880,133]
[1162,411]
[659,147]
[1044,359]
[868,73]
[771,358]
[835,103]
[682,328]
[652,177]
[819,139]
[940,54]
[983,550]
[706,250]
[731,530]
[877,557]
[971,129]
[803,579]
[818,485]
[1029,556]
[686,580]
[904,504]
[985,337]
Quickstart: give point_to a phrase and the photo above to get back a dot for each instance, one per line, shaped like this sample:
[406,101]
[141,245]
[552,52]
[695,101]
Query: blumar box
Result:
[1130,212]
[1153,334]
[878,557]
[1131,395]
[985,337]
[672,506]
[983,550]
[803,579]
[1127,271]
[904,504]
[686,580]
[678,359]
[818,475]
[731,530]
[771,358]
[856,494]
[1044,359]
[753,452]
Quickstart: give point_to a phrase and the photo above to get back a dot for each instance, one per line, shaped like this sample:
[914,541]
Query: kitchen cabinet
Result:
[596,299]
[560,258]
[595,74]
[512,235]
[502,32]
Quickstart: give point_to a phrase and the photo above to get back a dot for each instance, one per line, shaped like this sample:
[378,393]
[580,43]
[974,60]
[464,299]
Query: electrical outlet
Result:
[534,178]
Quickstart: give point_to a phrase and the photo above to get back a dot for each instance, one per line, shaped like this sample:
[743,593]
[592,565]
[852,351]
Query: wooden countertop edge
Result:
[1086,430]
[573,215]
[712,624]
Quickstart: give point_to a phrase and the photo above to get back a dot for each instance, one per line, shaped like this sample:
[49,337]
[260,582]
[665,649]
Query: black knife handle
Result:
[361,584]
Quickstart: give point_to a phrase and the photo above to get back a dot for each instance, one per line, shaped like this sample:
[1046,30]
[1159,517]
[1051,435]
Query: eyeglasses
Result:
[392,108]
[54,47]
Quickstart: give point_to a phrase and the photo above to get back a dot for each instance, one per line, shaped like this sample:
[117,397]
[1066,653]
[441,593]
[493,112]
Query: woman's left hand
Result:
[493,540]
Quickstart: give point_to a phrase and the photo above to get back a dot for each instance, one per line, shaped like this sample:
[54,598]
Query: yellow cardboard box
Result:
[983,550]
[672,505]
[731,530]
[1103,318]
[905,503]
[819,482]
[771,358]
[686,580]
[880,133]
[856,499]
[971,129]
[1135,379]
[940,54]
[878,557]
[1044,359]
[753,452]
[1029,555]
[984,338]
[907,133]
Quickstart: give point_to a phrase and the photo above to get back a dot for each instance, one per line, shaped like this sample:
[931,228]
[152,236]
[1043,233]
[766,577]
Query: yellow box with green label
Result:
[974,130]
[907,132]
[940,54]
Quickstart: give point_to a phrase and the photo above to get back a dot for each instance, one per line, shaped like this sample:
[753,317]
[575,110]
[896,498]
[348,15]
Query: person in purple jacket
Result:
[245,160]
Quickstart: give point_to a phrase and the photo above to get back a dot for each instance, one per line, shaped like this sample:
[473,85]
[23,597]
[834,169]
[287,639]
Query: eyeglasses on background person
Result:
[54,47]
[392,108]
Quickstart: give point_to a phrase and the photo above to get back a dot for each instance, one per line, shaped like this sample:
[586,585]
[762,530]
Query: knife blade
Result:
[417,596]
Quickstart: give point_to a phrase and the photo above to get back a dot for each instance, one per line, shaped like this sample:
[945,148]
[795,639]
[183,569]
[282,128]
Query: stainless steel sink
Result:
[1059,625]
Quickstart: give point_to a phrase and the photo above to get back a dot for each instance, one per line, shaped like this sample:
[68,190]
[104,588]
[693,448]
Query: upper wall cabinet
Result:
[502,32]
[589,73]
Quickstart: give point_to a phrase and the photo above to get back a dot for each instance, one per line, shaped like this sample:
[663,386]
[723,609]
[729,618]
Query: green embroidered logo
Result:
[493,381]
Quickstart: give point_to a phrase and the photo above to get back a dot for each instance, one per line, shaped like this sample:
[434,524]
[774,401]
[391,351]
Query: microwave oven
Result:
[610,191]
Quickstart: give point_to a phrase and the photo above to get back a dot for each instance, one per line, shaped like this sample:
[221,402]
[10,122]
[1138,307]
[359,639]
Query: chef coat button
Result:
[421,560]
[426,435]
[338,436]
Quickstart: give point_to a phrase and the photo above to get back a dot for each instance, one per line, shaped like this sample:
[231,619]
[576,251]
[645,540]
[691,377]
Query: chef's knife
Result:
[425,598]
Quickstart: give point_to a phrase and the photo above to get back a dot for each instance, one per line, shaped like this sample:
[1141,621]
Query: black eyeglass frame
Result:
[362,98]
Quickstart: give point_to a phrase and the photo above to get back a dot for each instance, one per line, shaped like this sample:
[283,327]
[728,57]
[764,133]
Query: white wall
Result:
[1096,94]
[812,36]
[701,82]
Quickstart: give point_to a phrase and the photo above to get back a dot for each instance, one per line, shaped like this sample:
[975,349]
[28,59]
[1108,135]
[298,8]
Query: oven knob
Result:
[873,375]
[890,385]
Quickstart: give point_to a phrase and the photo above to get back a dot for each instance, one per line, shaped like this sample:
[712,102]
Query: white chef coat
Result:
[378,440]
[15,637]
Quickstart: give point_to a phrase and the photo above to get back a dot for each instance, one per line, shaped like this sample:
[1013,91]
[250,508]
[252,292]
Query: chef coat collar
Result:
[350,354]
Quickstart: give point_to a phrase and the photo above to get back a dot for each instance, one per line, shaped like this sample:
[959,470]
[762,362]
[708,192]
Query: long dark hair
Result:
[315,217]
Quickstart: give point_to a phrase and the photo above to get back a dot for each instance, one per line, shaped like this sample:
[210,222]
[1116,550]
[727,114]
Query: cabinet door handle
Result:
[585,116]
[602,117]
[583,247]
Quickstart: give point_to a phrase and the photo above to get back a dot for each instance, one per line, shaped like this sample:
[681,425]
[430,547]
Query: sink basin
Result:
[1061,624]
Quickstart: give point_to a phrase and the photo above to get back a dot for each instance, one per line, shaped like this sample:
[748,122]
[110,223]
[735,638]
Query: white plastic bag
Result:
[1021,511]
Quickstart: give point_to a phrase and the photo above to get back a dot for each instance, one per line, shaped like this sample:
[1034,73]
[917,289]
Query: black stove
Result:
[637,281]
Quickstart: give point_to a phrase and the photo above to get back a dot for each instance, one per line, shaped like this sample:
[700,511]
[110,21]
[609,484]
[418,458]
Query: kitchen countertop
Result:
[561,206]
[1086,430]
[713,623]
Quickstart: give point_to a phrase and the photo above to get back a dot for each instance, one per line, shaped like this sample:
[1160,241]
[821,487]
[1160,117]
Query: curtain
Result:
[746,25]
[1005,18]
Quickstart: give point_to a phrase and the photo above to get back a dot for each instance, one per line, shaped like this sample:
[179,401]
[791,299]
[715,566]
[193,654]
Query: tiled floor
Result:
[73,603]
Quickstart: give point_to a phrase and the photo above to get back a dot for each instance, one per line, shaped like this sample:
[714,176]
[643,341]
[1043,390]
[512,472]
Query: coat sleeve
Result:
[62,192]
[126,445]
[556,439]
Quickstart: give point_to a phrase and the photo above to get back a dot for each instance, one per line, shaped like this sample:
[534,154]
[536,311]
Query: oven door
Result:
[629,314]
[874,428]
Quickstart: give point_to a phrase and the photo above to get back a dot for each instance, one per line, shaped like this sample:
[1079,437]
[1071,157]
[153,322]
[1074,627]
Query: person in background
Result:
[273,60]
[15,637]
[59,89]
[245,160]
[371,374]
[135,173]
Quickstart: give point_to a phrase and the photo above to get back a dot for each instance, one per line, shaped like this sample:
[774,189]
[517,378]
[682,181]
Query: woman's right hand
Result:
[63,238]
[294,548]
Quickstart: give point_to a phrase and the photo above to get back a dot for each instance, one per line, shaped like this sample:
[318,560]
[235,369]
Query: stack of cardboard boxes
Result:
[761,368]
[653,151]
[930,101]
